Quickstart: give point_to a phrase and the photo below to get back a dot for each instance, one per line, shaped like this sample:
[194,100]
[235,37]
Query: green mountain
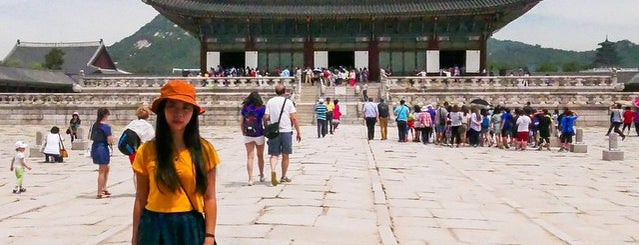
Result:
[161,45]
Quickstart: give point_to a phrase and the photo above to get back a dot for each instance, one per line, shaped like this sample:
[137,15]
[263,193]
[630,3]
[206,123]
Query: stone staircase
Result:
[350,103]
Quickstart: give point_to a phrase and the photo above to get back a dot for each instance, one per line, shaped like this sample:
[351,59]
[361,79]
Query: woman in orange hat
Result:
[175,200]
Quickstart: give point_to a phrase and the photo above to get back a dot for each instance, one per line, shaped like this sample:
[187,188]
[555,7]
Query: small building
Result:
[401,35]
[80,58]
[22,80]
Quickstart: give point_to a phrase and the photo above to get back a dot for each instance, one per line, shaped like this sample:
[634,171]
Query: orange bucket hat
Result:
[177,90]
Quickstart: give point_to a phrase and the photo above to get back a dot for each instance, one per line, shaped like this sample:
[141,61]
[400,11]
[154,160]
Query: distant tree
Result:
[54,59]
[547,67]
[573,66]
[37,66]
[606,55]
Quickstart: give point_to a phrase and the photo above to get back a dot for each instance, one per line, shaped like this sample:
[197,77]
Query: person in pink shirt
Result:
[337,114]
[635,120]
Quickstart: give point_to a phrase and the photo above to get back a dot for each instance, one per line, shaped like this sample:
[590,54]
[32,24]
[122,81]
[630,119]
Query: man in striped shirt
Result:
[320,115]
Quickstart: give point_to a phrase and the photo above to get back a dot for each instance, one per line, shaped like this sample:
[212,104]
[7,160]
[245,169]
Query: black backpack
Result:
[129,142]
[251,123]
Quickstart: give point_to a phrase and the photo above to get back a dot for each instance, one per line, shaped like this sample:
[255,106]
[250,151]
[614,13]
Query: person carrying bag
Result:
[273,130]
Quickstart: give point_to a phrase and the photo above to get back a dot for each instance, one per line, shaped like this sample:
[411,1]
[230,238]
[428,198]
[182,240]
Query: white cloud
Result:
[575,24]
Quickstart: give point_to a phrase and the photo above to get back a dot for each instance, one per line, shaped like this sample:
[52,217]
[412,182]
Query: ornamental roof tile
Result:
[210,8]
[32,77]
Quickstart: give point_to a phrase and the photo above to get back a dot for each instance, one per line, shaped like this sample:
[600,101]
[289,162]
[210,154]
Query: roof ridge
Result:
[58,44]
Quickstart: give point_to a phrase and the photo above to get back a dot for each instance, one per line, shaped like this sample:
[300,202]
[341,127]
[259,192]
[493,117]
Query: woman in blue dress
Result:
[102,141]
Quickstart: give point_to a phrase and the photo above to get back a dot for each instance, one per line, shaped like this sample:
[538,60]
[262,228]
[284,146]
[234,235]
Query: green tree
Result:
[54,59]
[547,67]
[573,66]
[606,55]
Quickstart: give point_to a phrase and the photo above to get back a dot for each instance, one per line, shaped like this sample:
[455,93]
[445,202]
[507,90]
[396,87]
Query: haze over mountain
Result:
[161,45]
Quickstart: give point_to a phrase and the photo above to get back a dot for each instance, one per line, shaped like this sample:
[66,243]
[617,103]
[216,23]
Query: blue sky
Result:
[565,24]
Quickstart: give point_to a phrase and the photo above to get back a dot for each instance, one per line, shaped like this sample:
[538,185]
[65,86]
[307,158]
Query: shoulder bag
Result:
[63,152]
[273,130]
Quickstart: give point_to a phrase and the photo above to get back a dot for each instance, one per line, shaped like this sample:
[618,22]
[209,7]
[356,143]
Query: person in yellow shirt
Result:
[329,114]
[175,200]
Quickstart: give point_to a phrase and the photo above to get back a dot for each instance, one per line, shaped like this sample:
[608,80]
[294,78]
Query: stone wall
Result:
[590,96]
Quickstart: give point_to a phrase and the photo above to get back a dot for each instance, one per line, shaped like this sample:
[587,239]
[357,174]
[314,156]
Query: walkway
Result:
[347,191]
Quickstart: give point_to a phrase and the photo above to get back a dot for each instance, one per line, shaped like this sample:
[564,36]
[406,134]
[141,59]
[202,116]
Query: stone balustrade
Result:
[201,83]
[508,83]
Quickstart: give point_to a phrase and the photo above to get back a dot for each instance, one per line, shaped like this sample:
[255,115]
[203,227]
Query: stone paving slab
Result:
[347,190]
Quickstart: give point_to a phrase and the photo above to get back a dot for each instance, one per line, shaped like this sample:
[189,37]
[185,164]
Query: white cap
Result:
[320,100]
[76,113]
[20,144]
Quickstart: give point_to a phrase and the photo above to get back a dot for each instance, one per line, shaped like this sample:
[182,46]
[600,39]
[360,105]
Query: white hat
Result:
[20,144]
[429,106]
[76,113]
[320,100]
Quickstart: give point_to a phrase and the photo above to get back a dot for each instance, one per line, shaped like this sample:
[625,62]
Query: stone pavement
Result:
[346,190]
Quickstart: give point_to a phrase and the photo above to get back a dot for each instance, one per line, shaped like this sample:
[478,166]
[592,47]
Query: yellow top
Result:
[330,106]
[167,201]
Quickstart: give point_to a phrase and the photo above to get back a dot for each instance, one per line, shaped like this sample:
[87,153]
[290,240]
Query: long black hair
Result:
[253,99]
[95,130]
[165,172]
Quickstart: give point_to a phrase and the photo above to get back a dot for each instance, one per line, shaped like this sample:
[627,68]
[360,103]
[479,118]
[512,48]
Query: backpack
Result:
[382,108]
[252,124]
[129,142]
[485,122]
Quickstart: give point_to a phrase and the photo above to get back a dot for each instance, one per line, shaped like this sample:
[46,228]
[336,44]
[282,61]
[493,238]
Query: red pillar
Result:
[373,60]
[483,54]
[309,53]
[203,50]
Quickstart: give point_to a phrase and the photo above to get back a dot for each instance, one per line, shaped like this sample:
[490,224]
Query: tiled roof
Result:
[30,76]
[203,8]
[77,56]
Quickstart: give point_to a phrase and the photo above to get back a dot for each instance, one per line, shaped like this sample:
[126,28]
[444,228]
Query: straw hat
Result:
[177,90]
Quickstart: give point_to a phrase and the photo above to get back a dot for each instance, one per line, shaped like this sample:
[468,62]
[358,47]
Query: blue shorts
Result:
[100,153]
[441,128]
[282,144]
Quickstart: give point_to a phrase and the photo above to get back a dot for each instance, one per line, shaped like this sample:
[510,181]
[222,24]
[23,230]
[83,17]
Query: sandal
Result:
[106,193]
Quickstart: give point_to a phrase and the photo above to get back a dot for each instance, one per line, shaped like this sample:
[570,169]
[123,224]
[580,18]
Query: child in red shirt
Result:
[627,119]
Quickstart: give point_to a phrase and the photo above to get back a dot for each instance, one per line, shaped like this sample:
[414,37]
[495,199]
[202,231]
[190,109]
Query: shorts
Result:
[440,128]
[566,137]
[282,144]
[505,133]
[335,121]
[259,140]
[523,136]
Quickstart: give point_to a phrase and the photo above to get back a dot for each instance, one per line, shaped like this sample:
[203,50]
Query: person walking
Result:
[100,154]
[141,126]
[382,109]
[330,106]
[401,112]
[616,120]
[282,144]
[567,125]
[74,124]
[52,145]
[18,164]
[337,115]
[176,197]
[320,116]
[523,129]
[370,117]
[251,126]
[627,118]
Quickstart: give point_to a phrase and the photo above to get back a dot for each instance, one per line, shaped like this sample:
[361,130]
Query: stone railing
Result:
[508,83]
[107,82]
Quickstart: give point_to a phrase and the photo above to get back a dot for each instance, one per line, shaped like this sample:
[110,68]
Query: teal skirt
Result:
[186,228]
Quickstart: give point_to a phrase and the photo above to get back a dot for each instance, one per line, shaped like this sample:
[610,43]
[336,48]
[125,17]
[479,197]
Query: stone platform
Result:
[347,190]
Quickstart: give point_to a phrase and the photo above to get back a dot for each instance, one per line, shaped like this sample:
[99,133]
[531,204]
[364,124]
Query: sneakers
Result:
[250,182]
[262,178]
[274,179]
[285,179]
[19,190]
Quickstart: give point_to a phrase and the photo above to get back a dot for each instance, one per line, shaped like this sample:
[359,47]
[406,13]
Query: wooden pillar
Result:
[373,60]
[309,53]
[203,50]
[483,54]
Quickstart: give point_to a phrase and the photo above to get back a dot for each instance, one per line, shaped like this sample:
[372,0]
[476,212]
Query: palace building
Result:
[401,35]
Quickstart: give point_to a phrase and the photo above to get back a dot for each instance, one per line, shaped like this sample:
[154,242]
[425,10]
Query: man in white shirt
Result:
[523,129]
[282,144]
